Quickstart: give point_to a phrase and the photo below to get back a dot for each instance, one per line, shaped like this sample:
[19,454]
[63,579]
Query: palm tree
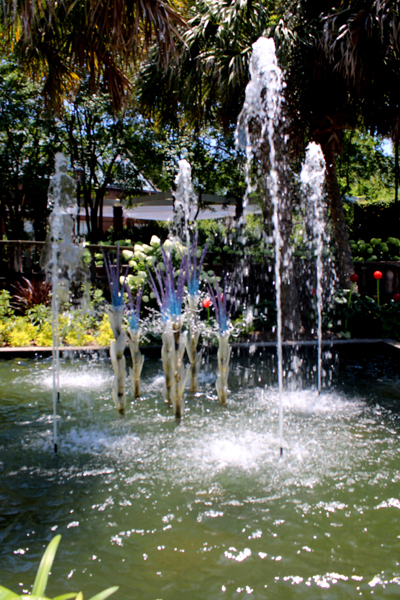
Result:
[210,76]
[63,41]
[363,41]
[344,67]
[207,85]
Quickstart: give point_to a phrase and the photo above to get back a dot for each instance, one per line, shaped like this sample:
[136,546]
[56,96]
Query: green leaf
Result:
[46,563]
[6,594]
[66,596]
[31,597]
[105,593]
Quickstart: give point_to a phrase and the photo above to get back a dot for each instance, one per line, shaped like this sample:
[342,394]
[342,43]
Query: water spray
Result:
[263,103]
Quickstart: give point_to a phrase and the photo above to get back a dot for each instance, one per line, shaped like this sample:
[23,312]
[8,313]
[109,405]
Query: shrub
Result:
[375,249]
[105,334]
[22,333]
[45,336]
[6,310]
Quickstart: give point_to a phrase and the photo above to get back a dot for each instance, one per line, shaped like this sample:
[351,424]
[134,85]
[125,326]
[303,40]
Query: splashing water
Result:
[205,506]
[62,259]
[263,104]
[312,179]
[185,201]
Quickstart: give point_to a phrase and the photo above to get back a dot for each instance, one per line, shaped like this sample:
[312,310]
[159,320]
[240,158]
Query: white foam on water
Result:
[309,402]
[81,379]
[155,384]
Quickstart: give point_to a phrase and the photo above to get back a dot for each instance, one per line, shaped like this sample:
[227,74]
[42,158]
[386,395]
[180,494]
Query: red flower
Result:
[313,292]
[378,275]
[396,297]
[206,303]
[354,278]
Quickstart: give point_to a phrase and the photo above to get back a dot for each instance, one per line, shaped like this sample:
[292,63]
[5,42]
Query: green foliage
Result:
[104,335]
[22,332]
[28,142]
[211,75]
[77,327]
[375,249]
[364,169]
[41,579]
[363,317]
[45,335]
[227,245]
[39,314]
[5,305]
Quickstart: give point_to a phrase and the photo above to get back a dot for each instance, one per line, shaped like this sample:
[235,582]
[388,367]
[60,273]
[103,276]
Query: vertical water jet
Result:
[257,130]
[62,259]
[312,180]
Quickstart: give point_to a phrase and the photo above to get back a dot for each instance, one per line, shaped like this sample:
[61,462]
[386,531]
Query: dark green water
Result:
[204,509]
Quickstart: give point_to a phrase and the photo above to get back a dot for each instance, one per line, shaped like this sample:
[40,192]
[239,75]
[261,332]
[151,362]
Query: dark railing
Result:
[22,258]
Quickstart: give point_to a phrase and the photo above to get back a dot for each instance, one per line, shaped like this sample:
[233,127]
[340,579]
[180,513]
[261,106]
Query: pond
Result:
[205,508]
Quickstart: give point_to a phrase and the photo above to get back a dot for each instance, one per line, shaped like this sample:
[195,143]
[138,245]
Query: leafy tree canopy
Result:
[29,139]
[364,169]
[60,42]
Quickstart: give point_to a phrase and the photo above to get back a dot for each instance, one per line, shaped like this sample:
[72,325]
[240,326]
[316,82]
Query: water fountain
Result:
[205,508]
[62,258]
[259,124]
[312,179]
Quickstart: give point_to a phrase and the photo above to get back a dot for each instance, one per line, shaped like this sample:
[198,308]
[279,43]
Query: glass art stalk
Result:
[219,302]
[115,313]
[134,339]
[192,305]
[169,296]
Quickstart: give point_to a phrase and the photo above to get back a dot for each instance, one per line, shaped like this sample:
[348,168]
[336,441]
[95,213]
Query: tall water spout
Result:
[61,258]
[312,179]
[185,202]
[257,127]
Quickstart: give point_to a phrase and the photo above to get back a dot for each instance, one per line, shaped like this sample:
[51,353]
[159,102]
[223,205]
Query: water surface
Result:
[205,508]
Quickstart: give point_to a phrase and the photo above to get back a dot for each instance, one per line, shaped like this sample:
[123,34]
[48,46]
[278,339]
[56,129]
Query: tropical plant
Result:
[29,293]
[212,72]
[41,579]
[62,42]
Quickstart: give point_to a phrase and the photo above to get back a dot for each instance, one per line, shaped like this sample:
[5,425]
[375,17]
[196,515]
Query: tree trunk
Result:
[345,265]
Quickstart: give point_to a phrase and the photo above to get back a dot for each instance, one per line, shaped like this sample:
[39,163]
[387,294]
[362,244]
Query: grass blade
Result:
[103,595]
[6,594]
[39,587]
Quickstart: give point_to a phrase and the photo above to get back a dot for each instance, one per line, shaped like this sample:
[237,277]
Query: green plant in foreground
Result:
[39,586]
